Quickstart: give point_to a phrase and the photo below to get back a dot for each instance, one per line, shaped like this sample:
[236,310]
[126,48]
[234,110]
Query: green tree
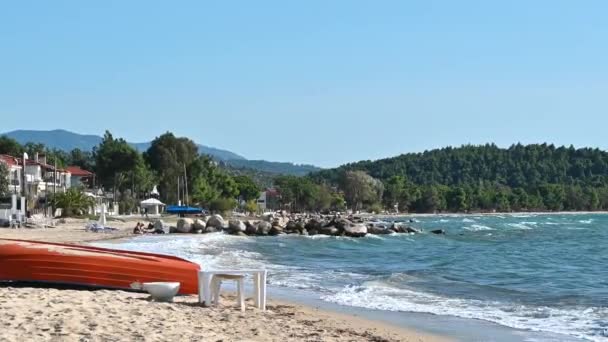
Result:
[360,188]
[72,202]
[4,173]
[248,190]
[457,199]
[115,159]
[83,159]
[169,156]
[10,146]
[394,190]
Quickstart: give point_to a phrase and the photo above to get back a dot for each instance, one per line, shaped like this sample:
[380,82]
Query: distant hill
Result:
[274,167]
[67,141]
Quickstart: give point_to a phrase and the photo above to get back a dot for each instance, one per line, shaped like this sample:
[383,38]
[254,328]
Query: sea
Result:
[541,273]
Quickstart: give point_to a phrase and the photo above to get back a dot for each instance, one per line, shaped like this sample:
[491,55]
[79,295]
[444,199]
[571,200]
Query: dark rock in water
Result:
[411,230]
[300,226]
[329,231]
[263,228]
[291,226]
[313,232]
[236,226]
[379,230]
[314,224]
[241,234]
[438,231]
[251,228]
[275,230]
[355,230]
[172,230]
[304,232]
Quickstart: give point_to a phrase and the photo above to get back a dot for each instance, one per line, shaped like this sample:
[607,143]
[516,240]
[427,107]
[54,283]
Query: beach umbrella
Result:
[151,202]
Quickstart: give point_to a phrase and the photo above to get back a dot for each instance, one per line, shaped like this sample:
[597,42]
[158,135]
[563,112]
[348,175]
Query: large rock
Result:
[210,229]
[291,227]
[342,223]
[355,230]
[329,231]
[251,228]
[314,224]
[161,227]
[276,230]
[216,221]
[379,230]
[184,225]
[280,221]
[263,228]
[301,227]
[199,225]
[236,226]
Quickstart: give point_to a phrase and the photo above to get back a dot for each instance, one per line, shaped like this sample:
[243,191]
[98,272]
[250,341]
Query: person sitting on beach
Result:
[139,228]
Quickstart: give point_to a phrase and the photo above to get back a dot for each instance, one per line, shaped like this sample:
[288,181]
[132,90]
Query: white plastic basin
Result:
[162,292]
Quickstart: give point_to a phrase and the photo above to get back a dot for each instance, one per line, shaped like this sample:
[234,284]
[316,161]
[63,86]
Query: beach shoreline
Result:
[73,315]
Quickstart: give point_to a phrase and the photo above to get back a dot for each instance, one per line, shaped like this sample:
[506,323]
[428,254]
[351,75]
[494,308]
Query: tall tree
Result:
[10,146]
[168,156]
[115,159]
[4,173]
[360,188]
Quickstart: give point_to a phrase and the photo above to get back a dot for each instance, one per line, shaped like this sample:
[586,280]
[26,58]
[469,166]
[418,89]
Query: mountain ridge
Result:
[67,140]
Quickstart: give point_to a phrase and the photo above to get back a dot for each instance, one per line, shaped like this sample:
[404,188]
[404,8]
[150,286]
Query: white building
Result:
[14,173]
[40,177]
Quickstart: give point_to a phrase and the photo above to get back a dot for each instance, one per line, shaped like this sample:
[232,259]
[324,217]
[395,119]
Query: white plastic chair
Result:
[216,284]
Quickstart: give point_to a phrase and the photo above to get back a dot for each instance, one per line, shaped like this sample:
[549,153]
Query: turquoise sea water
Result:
[545,273]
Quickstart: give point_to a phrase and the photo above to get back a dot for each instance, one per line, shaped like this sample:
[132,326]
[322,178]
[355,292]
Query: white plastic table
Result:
[259,285]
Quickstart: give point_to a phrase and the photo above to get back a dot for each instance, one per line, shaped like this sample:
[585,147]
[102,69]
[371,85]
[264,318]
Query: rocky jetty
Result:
[297,224]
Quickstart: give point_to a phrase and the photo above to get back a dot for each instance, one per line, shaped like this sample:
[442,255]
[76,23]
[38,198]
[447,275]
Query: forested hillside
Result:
[485,178]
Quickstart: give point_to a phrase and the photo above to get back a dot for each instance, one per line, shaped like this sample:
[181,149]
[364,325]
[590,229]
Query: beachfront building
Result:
[80,177]
[14,173]
[42,179]
[35,176]
[269,199]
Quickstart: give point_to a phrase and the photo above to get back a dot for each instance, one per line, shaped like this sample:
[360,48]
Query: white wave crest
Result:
[579,322]
[477,227]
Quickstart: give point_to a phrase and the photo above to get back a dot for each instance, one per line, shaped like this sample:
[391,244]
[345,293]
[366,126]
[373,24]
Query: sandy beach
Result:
[40,314]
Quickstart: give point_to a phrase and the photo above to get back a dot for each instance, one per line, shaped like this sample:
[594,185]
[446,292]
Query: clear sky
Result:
[322,82]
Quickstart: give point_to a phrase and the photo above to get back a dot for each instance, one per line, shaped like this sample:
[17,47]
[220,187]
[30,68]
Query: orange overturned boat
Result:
[62,264]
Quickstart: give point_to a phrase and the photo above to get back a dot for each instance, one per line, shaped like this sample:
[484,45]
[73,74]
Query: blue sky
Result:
[321,82]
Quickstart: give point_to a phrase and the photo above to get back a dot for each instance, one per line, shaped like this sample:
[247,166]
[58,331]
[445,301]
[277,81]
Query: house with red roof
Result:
[14,172]
[81,177]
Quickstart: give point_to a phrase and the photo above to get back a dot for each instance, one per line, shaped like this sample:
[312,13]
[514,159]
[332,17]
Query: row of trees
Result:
[478,178]
[170,162]
[302,194]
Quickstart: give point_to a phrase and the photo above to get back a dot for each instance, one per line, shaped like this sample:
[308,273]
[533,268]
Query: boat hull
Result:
[41,262]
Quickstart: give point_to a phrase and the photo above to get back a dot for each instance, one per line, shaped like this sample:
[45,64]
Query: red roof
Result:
[9,160]
[78,172]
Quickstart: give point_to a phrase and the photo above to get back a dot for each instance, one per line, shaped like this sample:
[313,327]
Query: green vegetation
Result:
[465,179]
[275,168]
[3,179]
[302,194]
[73,202]
[483,178]
[131,175]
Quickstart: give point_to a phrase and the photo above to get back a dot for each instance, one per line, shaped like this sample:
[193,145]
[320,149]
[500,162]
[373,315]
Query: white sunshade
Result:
[151,202]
